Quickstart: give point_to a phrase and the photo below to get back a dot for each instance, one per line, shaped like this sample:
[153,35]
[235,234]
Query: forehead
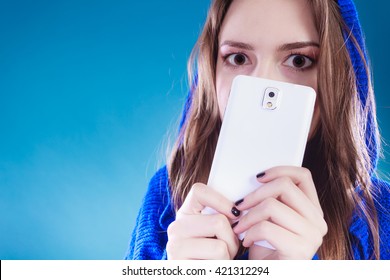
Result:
[269,21]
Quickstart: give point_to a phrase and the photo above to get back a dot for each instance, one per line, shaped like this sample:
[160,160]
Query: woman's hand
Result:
[286,212]
[197,236]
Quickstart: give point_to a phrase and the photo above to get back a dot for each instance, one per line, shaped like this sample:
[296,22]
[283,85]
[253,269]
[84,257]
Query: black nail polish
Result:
[238,202]
[234,224]
[261,174]
[235,211]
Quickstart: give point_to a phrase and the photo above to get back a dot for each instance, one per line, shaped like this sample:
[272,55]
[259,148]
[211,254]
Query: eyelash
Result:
[226,56]
[311,59]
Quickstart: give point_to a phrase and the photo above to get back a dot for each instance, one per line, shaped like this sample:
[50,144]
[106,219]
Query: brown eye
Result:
[298,61]
[237,59]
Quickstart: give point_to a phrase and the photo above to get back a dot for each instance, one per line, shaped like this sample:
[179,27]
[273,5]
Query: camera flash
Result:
[269,104]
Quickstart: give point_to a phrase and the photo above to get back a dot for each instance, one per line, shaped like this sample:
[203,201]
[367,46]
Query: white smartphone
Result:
[266,124]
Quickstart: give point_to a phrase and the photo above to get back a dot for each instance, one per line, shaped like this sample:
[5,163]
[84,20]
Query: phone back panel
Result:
[253,138]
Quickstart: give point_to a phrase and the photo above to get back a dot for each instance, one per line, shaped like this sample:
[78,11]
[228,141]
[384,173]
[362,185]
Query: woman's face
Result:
[275,40]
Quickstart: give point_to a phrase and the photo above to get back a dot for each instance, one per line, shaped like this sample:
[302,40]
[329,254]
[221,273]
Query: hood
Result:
[349,13]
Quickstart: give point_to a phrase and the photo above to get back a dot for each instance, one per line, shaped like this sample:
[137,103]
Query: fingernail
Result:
[235,211]
[238,202]
[261,174]
[234,224]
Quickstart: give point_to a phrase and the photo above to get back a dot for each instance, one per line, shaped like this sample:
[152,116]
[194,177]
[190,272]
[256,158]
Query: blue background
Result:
[90,92]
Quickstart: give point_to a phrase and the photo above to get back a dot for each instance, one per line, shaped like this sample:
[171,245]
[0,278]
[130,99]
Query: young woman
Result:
[331,208]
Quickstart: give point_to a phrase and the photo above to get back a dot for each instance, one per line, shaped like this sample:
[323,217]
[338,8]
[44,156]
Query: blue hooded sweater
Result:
[149,237]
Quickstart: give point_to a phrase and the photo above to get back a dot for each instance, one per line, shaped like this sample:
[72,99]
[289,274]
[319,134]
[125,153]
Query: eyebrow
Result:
[239,45]
[284,47]
[298,45]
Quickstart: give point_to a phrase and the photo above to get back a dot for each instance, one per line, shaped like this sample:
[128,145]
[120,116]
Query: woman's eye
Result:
[299,61]
[237,59]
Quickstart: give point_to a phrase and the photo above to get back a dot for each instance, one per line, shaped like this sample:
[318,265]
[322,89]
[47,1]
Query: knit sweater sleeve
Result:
[360,233]
[149,237]
[383,209]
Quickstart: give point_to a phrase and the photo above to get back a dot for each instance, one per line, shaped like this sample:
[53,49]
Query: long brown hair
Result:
[345,160]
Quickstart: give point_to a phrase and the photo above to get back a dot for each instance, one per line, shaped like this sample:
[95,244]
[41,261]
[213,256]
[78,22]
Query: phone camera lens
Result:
[271,94]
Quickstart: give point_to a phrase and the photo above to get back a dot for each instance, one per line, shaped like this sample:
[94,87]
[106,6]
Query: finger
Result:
[200,226]
[299,175]
[275,211]
[287,244]
[201,196]
[262,253]
[198,248]
[287,192]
